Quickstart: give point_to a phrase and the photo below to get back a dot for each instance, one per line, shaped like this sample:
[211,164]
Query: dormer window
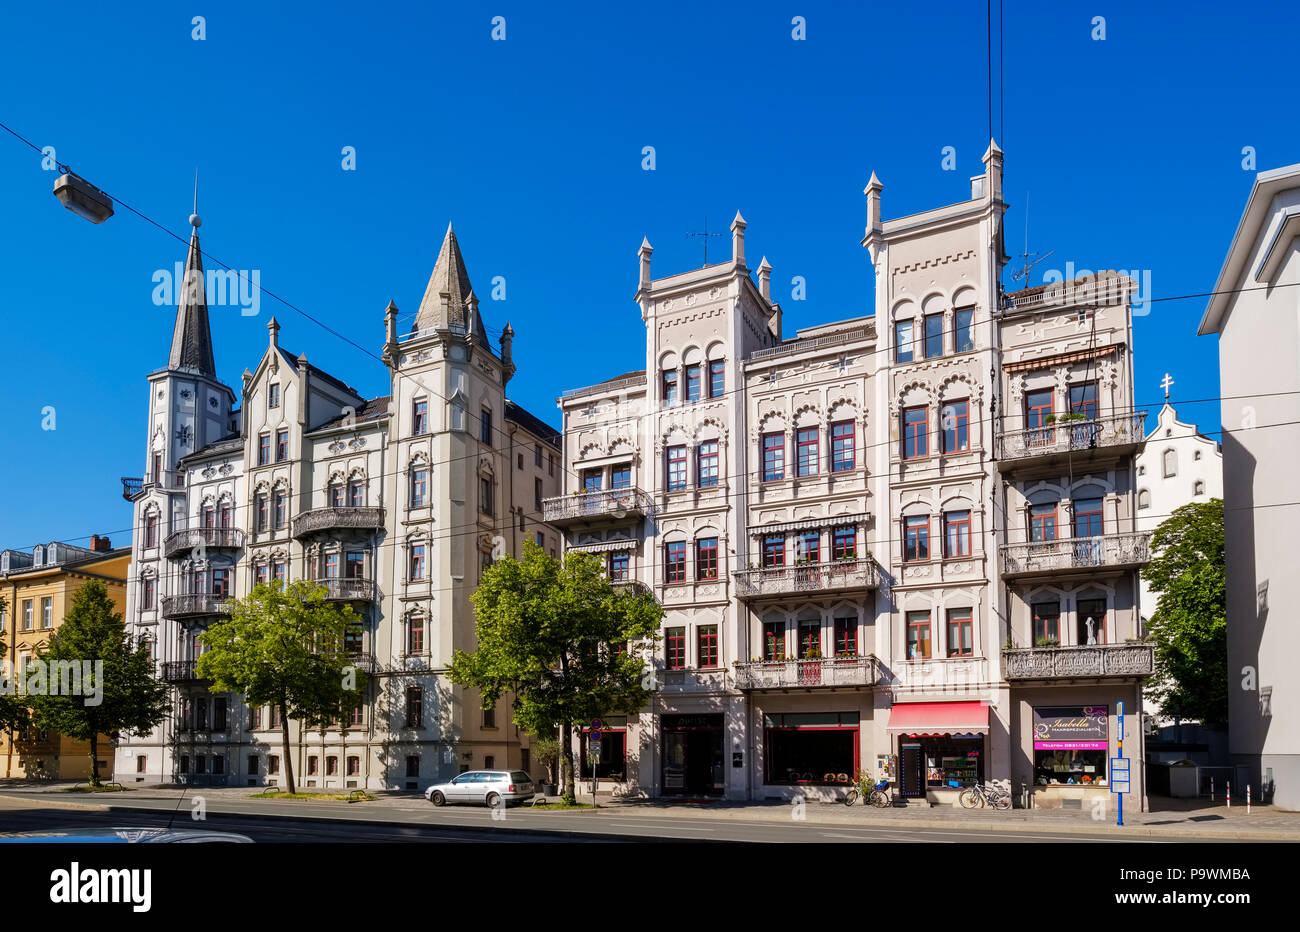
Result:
[273,395]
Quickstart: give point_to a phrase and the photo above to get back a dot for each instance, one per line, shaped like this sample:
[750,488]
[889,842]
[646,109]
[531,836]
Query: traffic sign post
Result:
[1119,771]
[593,753]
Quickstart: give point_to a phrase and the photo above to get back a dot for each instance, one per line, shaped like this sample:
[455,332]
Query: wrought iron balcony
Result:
[678,682]
[191,606]
[180,671]
[1080,439]
[1074,555]
[366,663]
[132,487]
[341,517]
[211,538]
[601,505]
[836,576]
[807,674]
[634,586]
[348,589]
[1051,663]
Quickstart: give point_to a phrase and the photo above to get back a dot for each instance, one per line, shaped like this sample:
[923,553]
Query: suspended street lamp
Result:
[82,198]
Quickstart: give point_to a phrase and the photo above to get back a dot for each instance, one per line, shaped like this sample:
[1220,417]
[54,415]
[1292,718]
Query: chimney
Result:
[644,252]
[738,241]
[390,323]
[872,191]
[993,172]
[765,280]
[100,544]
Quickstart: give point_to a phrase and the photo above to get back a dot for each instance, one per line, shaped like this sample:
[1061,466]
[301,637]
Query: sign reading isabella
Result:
[1071,728]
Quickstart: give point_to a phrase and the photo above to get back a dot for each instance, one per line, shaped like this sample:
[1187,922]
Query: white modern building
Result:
[1255,312]
[394,504]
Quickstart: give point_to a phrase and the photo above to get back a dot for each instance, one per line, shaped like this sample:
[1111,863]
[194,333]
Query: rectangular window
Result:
[550,464]
[313,765]
[157,467]
[281,445]
[221,583]
[263,449]
[1091,621]
[485,426]
[274,719]
[336,495]
[356,493]
[141,763]
[717,378]
[331,766]
[846,637]
[273,395]
[273,764]
[47,612]
[963,320]
[707,465]
[810,640]
[591,479]
[806,444]
[675,561]
[669,387]
[541,539]
[209,517]
[1087,517]
[810,548]
[420,417]
[620,477]
[706,647]
[147,594]
[915,433]
[277,500]
[956,534]
[219,713]
[774,640]
[412,765]
[537,455]
[676,457]
[916,537]
[773,551]
[537,496]
[280,569]
[354,766]
[956,426]
[151,531]
[1083,399]
[675,648]
[331,566]
[1038,407]
[933,335]
[773,456]
[960,638]
[844,544]
[353,640]
[842,452]
[414,706]
[27,614]
[261,573]
[706,558]
[918,635]
[1042,522]
[252,764]
[415,635]
[903,339]
[417,563]
[485,503]
[1047,624]
[693,383]
[618,566]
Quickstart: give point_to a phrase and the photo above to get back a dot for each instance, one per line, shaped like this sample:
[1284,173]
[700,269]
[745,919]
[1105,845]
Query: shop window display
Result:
[1070,745]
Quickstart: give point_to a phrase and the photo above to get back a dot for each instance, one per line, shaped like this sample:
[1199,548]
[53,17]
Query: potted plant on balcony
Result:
[1047,642]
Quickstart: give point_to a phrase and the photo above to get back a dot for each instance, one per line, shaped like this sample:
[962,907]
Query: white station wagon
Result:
[483,787]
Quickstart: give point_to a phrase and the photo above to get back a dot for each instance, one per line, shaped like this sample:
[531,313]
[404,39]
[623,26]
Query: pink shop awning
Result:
[920,719]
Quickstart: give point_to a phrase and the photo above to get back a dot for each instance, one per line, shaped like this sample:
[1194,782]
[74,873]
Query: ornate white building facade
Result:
[395,504]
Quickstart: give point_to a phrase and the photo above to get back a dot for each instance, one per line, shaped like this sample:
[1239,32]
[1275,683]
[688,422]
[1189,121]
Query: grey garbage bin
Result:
[1184,779]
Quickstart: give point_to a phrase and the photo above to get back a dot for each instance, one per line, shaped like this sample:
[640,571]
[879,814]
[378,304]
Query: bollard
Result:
[1247,799]
[1211,789]
[1228,794]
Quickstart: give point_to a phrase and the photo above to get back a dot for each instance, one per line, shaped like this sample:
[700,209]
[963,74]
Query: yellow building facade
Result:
[37,587]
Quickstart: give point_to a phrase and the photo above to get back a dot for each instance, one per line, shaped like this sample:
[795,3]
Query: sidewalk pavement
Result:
[1173,818]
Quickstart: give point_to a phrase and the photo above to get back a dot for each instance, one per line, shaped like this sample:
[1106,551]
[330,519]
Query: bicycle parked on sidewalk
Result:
[981,795]
[872,793]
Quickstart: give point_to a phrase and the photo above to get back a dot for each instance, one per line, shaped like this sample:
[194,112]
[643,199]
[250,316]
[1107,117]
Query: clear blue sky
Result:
[1131,148]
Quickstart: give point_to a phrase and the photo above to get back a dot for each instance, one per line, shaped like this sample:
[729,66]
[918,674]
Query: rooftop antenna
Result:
[705,236]
[1023,274]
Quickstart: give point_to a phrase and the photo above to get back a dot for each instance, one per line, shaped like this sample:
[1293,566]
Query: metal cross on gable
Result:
[1165,383]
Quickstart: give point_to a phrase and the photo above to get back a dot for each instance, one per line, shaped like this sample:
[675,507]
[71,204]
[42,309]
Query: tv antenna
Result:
[1023,274]
[705,236]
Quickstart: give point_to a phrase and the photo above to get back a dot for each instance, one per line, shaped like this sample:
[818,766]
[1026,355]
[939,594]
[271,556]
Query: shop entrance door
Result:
[911,772]
[692,755]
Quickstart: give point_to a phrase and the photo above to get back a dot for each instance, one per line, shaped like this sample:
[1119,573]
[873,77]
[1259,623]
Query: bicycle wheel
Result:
[1002,802]
[970,798]
[880,799]
[851,797]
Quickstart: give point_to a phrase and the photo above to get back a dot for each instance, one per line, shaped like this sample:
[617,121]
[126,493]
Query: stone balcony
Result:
[1077,555]
[194,606]
[339,517]
[838,576]
[950,678]
[1098,660]
[596,506]
[691,682]
[210,538]
[823,673]
[1115,435]
[349,589]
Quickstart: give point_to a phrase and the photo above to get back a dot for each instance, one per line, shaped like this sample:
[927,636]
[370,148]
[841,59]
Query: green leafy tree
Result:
[285,646]
[1189,627]
[13,711]
[556,635]
[132,701]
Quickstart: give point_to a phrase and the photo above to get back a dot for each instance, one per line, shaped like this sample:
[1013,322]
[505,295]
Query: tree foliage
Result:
[285,646]
[13,711]
[559,637]
[132,701]
[1188,577]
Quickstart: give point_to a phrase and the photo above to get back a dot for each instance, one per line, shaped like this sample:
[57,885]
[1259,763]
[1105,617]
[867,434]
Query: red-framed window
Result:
[773,456]
[1038,406]
[706,470]
[810,548]
[843,455]
[773,551]
[278,509]
[1087,517]
[261,573]
[693,382]
[147,593]
[956,534]
[417,563]
[846,637]
[916,537]
[332,566]
[844,544]
[281,445]
[356,493]
[620,477]
[956,426]
[717,378]
[419,486]
[415,634]
[810,638]
[1083,399]
[1047,624]
[706,558]
[419,417]
[706,647]
[1042,522]
[806,442]
[918,635]
[353,640]
[675,648]
[676,464]
[668,387]
[618,566]
[1094,611]
[675,561]
[961,640]
[151,530]
[263,449]
[336,495]
[774,640]
[916,441]
[591,479]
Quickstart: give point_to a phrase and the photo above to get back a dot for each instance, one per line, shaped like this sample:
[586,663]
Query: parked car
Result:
[486,787]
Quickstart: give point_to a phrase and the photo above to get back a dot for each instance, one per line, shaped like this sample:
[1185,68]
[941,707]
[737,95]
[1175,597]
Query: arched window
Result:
[1198,488]
[1144,498]
[1170,460]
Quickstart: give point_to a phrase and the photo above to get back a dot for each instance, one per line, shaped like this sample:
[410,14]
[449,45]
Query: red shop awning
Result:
[939,718]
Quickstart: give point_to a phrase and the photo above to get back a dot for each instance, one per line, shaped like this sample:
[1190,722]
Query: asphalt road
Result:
[299,821]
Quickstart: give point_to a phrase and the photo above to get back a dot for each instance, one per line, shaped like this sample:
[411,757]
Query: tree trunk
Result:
[566,762]
[94,758]
[284,737]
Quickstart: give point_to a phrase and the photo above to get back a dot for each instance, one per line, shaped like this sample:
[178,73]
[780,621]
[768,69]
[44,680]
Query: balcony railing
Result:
[180,671]
[366,663]
[1071,554]
[939,676]
[808,674]
[132,486]
[634,586]
[1049,663]
[835,576]
[677,682]
[1114,433]
[213,538]
[605,504]
[348,589]
[182,606]
[359,517]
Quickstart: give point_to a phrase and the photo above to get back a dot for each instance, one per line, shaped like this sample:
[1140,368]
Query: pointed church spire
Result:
[446,301]
[192,337]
